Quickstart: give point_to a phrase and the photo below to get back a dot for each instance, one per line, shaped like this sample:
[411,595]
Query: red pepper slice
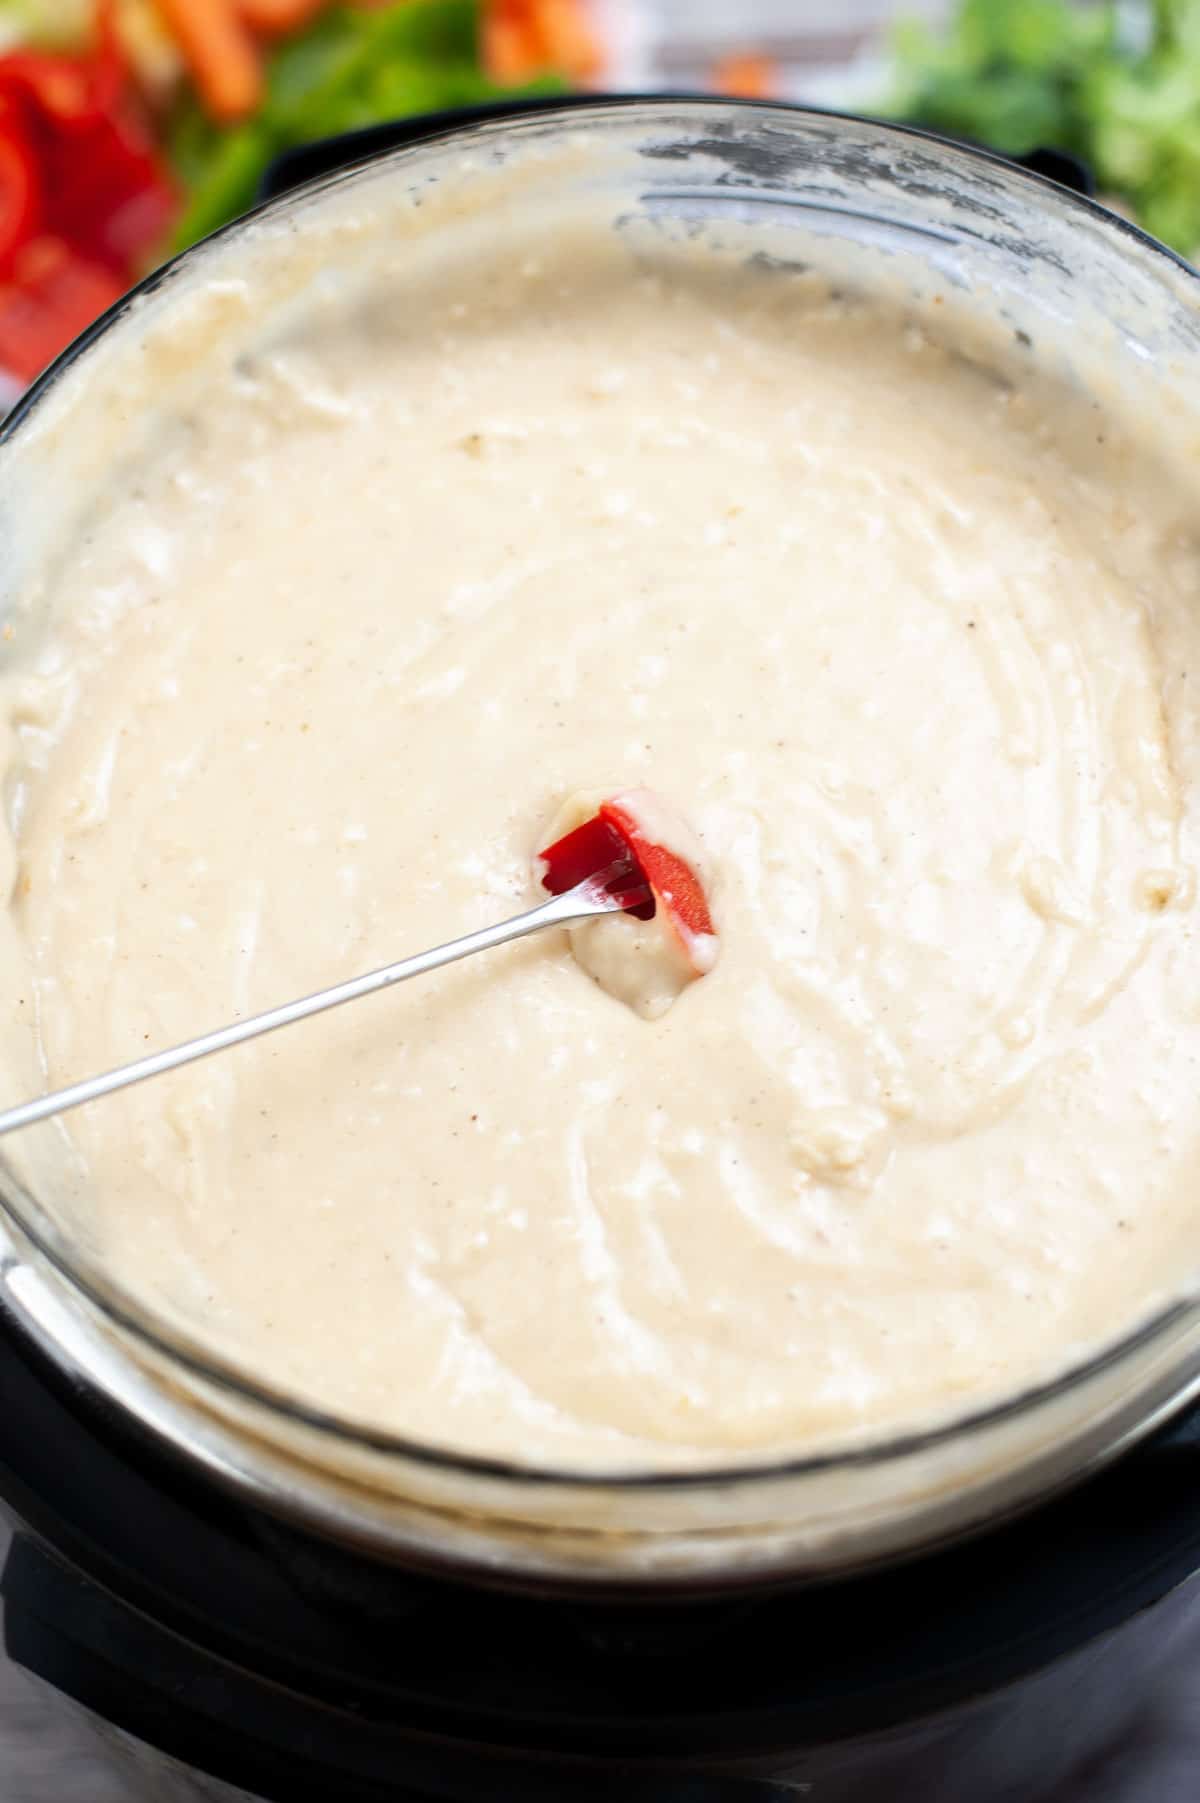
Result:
[674,882]
[20,191]
[85,197]
[618,831]
[104,187]
[111,201]
[594,847]
[55,295]
[66,89]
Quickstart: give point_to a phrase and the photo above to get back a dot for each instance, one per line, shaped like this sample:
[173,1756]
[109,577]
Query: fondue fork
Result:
[613,890]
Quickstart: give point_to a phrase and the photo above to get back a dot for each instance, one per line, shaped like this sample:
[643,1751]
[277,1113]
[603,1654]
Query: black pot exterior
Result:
[295,1670]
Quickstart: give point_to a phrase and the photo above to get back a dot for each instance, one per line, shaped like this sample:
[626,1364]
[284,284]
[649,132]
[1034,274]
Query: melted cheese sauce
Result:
[908,642]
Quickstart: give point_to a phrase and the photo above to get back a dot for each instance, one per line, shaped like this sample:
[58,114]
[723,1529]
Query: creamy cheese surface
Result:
[910,644]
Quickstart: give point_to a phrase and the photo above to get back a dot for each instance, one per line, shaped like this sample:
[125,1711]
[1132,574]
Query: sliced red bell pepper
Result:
[617,832]
[672,879]
[111,200]
[20,189]
[84,196]
[54,295]
[104,187]
[591,849]
[71,90]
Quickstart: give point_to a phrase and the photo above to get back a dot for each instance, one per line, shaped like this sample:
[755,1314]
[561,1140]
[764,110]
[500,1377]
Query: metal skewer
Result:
[598,894]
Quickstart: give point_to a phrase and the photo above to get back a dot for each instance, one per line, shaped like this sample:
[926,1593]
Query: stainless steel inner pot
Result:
[1083,292]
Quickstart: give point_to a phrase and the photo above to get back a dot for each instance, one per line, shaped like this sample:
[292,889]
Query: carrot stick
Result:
[220,53]
[746,75]
[278,16]
[567,40]
[510,52]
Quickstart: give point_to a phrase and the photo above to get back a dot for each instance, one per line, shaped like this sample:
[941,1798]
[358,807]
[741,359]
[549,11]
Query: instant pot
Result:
[252,1599]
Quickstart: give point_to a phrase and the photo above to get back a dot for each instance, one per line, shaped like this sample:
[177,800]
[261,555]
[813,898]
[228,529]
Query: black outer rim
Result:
[211,1370]
[303,163]
[183,1612]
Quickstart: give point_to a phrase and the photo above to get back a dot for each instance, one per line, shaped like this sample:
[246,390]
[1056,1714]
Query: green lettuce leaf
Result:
[349,70]
[1015,74]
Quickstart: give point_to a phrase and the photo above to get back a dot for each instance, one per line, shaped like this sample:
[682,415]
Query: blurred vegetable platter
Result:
[129,128]
[1116,84]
